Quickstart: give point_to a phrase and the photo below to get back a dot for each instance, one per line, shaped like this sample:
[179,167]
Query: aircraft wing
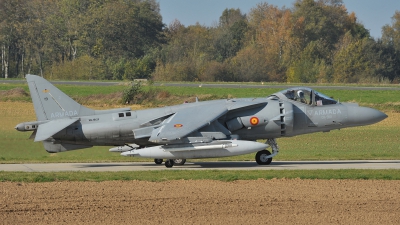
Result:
[186,121]
[52,127]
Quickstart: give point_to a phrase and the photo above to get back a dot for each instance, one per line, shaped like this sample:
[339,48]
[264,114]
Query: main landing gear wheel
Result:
[169,163]
[179,162]
[158,161]
[261,157]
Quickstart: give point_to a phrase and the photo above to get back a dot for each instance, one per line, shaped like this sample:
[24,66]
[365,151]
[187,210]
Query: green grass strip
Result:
[221,175]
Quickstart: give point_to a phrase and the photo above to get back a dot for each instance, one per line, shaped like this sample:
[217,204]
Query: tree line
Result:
[312,41]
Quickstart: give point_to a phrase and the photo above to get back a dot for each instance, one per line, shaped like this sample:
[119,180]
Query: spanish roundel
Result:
[254,120]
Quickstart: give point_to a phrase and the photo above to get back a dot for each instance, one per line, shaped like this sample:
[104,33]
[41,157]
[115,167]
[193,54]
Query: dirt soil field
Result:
[277,201]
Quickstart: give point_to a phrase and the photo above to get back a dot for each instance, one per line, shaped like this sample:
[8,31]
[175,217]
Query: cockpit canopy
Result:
[306,96]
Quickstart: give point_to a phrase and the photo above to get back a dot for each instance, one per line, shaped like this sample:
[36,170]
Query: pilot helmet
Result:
[300,94]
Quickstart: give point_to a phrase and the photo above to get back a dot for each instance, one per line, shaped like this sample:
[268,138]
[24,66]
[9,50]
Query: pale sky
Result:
[372,13]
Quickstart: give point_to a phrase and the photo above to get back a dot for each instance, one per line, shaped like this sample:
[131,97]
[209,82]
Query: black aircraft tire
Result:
[179,162]
[260,157]
[158,161]
[169,163]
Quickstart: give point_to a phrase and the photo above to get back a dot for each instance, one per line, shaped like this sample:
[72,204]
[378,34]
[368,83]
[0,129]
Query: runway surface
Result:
[142,166]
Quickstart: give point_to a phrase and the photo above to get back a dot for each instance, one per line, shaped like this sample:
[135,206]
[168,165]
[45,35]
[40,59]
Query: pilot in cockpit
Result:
[308,96]
[301,98]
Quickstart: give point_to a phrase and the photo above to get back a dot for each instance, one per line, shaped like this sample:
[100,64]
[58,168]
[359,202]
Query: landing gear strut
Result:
[264,157]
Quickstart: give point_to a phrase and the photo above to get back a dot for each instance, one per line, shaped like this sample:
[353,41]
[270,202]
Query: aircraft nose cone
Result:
[365,116]
[20,127]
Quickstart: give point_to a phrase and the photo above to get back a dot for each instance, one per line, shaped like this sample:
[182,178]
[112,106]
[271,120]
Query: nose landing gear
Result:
[264,157]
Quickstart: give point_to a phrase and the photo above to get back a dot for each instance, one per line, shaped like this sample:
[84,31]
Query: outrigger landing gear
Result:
[264,157]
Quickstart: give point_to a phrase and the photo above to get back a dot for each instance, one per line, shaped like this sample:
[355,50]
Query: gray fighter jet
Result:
[206,129]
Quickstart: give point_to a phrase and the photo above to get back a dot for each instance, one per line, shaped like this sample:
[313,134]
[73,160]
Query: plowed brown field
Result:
[277,201]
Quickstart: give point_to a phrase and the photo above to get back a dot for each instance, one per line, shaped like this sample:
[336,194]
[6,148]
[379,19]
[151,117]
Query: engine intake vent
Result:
[282,115]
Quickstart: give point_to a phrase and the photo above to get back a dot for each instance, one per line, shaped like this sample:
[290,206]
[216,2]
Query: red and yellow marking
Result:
[178,125]
[254,120]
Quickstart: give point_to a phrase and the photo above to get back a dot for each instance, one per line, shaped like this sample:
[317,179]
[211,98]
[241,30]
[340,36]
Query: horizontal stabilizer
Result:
[46,130]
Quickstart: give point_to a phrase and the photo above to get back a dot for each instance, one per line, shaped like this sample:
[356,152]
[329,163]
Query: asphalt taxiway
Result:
[143,166]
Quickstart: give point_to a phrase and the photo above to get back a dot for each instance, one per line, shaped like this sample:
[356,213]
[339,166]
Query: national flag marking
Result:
[254,120]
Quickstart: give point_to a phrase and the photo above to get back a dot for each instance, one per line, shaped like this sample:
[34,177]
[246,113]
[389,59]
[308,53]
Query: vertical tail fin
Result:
[51,103]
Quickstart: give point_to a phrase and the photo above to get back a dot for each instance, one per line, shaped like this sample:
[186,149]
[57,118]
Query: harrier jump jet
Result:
[206,129]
